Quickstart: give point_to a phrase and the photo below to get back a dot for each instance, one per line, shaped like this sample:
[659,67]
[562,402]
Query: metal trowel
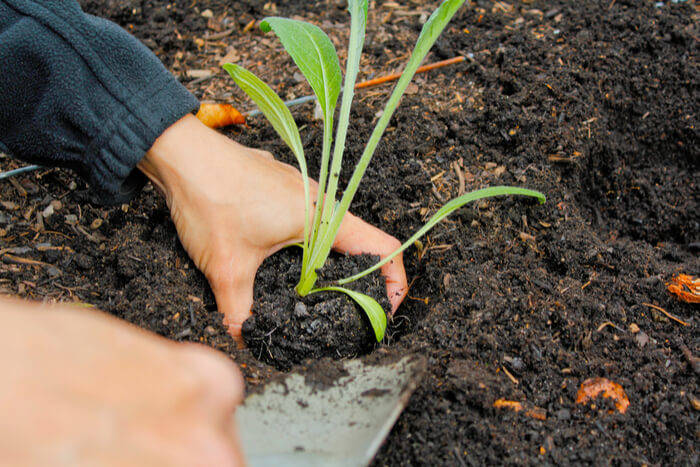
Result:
[295,423]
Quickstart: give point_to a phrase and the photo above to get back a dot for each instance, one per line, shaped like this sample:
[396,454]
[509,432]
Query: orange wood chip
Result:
[593,387]
[537,413]
[532,412]
[685,287]
[506,404]
[219,115]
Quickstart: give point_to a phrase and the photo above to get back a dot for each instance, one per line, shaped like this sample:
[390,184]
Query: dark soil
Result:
[286,329]
[595,103]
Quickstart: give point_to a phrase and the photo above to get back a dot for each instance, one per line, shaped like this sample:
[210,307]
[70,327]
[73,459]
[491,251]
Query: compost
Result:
[594,103]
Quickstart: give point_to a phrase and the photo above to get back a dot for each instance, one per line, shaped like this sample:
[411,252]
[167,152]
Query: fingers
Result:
[233,288]
[358,237]
[223,392]
[220,376]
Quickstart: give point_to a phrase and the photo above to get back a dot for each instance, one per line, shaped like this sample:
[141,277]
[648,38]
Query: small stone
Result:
[207,13]
[57,205]
[642,339]
[53,272]
[96,224]
[83,261]
[634,329]
[71,219]
[48,211]
[72,186]
[515,363]
[210,331]
[300,310]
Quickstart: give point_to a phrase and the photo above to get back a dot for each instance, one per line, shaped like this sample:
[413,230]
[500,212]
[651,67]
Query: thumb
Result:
[232,285]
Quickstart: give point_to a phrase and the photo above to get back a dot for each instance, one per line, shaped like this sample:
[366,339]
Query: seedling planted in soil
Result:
[315,55]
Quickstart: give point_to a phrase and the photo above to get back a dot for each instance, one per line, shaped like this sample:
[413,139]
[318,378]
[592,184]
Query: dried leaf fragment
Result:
[219,115]
[685,287]
[593,387]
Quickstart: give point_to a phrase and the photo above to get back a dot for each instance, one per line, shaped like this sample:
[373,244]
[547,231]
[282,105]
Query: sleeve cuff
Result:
[129,134]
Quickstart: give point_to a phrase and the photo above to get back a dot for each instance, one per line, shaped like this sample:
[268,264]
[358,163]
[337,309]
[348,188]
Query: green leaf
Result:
[314,54]
[272,106]
[358,24]
[445,211]
[374,310]
[429,34]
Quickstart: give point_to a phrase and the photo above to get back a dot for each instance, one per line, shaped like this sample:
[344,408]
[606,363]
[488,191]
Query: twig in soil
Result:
[460,177]
[8,258]
[395,76]
[510,376]
[608,323]
[668,315]
[218,35]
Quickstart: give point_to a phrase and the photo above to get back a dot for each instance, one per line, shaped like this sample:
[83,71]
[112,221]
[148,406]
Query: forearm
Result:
[80,92]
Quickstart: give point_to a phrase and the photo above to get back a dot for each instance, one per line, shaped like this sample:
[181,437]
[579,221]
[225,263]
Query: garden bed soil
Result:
[594,103]
[286,329]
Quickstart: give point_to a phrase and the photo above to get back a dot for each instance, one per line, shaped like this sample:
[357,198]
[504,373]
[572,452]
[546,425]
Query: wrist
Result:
[177,155]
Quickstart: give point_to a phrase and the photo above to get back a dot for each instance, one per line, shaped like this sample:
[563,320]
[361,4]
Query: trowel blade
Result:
[292,423]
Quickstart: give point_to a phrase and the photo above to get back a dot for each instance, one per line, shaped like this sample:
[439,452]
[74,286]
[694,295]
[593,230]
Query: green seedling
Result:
[316,57]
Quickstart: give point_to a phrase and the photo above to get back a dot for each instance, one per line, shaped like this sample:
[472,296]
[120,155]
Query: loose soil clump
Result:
[594,103]
[286,329]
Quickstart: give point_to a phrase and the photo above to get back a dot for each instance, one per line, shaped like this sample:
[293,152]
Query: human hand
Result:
[82,388]
[234,206]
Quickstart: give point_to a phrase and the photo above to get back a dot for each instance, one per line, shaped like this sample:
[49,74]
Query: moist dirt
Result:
[594,103]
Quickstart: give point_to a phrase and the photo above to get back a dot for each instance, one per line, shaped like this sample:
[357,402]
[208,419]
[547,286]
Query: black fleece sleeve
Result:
[78,91]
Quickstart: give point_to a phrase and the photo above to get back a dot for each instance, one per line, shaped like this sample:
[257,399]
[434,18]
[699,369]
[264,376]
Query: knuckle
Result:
[266,154]
[209,446]
[218,377]
[393,244]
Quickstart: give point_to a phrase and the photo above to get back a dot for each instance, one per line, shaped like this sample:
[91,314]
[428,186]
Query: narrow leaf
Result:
[429,34]
[374,310]
[445,211]
[358,24]
[272,106]
[314,54]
